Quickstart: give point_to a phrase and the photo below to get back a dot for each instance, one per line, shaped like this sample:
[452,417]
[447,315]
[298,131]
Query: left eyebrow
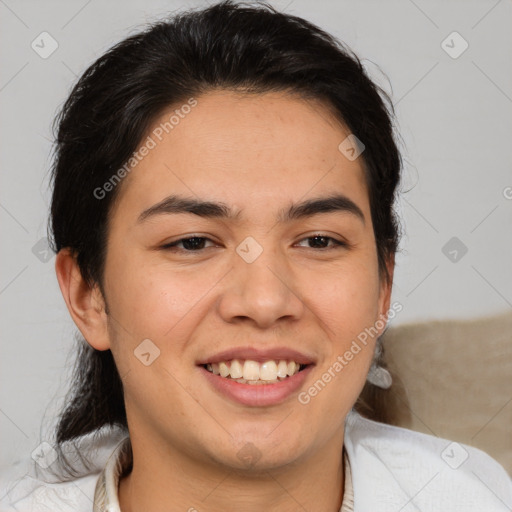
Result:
[176,204]
[339,203]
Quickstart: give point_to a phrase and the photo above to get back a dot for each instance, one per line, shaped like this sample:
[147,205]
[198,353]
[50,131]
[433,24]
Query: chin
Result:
[262,452]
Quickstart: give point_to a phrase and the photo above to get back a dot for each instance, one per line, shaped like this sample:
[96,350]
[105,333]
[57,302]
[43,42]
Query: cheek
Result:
[345,299]
[150,300]
[346,303]
[347,309]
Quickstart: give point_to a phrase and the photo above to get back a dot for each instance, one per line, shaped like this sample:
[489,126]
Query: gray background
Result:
[454,115]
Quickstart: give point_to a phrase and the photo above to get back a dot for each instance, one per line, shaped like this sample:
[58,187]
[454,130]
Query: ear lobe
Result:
[86,305]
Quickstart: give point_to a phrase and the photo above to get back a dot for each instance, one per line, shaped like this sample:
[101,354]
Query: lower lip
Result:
[257,395]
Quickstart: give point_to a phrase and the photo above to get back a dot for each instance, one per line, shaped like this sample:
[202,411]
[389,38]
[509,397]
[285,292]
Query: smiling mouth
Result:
[252,372]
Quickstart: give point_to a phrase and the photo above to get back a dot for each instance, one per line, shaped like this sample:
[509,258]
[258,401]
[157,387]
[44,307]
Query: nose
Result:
[262,292]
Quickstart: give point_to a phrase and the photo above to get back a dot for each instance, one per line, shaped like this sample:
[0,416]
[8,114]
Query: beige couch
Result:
[452,379]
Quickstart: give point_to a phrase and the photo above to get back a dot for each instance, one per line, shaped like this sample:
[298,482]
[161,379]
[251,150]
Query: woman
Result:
[223,220]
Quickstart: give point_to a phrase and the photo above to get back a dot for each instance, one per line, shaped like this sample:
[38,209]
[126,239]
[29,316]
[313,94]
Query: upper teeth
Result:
[252,370]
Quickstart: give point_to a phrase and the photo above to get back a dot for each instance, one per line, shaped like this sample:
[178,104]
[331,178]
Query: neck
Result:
[177,483]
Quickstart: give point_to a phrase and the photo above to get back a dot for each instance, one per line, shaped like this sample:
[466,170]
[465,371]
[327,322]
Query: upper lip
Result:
[258,355]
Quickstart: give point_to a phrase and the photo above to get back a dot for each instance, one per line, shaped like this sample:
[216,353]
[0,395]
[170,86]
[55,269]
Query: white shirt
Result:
[387,469]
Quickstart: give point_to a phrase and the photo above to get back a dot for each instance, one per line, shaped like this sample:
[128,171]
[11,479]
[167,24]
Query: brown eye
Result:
[191,244]
[322,242]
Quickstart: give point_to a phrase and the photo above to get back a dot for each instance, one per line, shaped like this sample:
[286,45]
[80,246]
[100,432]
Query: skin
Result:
[257,154]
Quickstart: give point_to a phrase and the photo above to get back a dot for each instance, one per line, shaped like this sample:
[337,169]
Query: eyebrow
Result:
[176,204]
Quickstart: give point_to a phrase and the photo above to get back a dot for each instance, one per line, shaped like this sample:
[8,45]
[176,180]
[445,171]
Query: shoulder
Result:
[396,467]
[31,486]
[28,494]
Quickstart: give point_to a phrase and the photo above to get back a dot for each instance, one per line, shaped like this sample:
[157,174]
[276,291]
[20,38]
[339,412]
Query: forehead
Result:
[239,148]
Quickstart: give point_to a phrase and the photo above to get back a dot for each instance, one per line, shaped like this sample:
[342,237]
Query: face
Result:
[244,283]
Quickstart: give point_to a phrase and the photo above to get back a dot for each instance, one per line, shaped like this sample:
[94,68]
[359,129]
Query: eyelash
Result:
[338,244]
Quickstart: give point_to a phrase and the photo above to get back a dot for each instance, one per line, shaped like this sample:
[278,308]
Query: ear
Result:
[86,305]
[386,287]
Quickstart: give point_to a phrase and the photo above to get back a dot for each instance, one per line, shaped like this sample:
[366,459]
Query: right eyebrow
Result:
[177,204]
